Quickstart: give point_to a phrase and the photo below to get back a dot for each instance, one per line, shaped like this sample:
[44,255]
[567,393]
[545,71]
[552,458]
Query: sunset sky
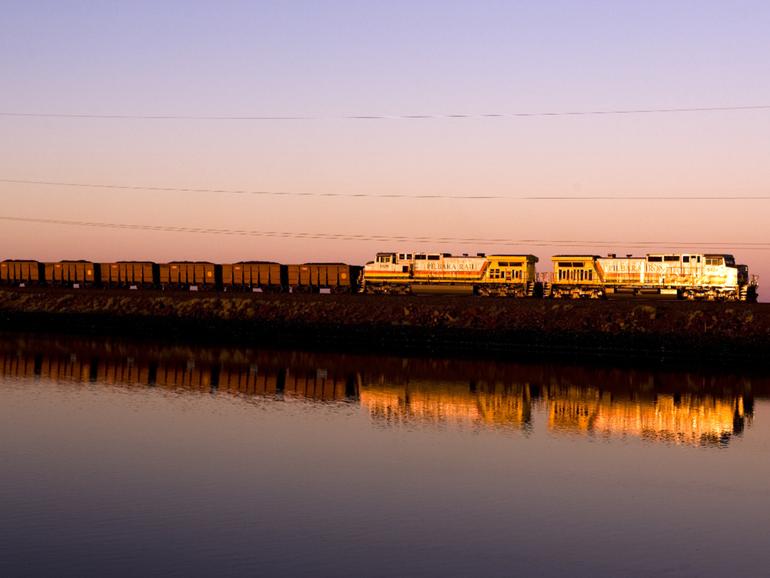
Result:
[328,61]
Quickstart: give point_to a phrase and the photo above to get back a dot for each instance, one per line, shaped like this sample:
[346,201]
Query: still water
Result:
[131,459]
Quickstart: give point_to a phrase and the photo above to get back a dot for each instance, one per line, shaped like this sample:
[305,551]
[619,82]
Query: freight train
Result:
[703,276]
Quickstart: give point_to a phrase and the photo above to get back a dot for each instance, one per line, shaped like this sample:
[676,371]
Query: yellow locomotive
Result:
[714,277]
[503,275]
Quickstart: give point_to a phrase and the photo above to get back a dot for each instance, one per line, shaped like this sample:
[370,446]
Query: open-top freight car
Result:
[314,277]
[503,275]
[72,274]
[129,274]
[191,275]
[264,276]
[21,273]
[677,275]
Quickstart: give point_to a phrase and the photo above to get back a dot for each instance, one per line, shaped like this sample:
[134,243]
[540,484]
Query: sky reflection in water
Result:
[128,459]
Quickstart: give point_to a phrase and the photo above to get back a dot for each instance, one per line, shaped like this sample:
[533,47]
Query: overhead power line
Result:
[391,195]
[246,192]
[626,111]
[417,239]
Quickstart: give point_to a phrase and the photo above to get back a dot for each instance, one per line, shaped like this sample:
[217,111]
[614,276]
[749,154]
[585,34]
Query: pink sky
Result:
[339,60]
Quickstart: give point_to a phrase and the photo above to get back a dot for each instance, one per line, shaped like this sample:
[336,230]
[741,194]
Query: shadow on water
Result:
[673,406]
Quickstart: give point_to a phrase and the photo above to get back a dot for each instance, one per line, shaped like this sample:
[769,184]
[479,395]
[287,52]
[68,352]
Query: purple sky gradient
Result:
[332,59]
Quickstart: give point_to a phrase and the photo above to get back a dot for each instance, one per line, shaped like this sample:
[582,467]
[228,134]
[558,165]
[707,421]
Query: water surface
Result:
[129,459]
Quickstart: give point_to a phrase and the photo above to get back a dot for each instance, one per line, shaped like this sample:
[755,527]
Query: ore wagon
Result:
[129,274]
[314,277]
[252,276]
[74,274]
[191,275]
[21,273]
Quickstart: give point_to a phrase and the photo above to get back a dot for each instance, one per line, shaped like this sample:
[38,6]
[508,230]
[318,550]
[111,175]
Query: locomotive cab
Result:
[385,258]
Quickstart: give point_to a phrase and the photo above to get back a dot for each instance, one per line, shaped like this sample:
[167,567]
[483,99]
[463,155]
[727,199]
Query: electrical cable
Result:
[601,112]
[390,195]
[388,238]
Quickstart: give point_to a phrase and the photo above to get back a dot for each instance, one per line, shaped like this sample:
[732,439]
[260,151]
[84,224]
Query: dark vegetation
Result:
[451,325]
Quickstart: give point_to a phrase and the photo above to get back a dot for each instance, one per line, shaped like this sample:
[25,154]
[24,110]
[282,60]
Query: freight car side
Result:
[265,276]
[314,277]
[129,274]
[21,273]
[75,274]
[190,275]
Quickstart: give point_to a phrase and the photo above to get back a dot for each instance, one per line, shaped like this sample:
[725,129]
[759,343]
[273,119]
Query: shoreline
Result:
[473,327]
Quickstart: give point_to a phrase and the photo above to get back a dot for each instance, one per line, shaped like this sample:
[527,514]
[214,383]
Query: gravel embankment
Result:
[469,326]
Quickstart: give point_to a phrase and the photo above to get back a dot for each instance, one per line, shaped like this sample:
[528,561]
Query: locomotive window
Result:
[503,264]
[401,256]
[578,264]
[713,260]
[419,257]
[408,255]
[671,258]
[653,259]
[433,257]
[565,264]
[686,259]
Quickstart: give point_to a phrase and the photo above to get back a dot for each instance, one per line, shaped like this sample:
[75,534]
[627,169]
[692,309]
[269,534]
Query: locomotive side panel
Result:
[416,272]
[687,275]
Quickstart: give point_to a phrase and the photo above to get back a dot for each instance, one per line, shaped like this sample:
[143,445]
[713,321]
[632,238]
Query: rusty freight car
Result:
[191,275]
[129,274]
[21,273]
[314,277]
[74,274]
[252,276]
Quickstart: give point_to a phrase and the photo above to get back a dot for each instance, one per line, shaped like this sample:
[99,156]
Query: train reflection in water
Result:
[671,407]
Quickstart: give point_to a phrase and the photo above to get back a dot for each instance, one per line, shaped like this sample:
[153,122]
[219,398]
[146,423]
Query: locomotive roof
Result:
[508,255]
[575,256]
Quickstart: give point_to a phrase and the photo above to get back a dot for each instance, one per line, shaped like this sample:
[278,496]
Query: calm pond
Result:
[131,459]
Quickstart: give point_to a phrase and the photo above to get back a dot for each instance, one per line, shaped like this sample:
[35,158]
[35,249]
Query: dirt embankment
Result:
[434,324]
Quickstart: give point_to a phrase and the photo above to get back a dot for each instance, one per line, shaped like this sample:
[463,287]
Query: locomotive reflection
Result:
[673,407]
